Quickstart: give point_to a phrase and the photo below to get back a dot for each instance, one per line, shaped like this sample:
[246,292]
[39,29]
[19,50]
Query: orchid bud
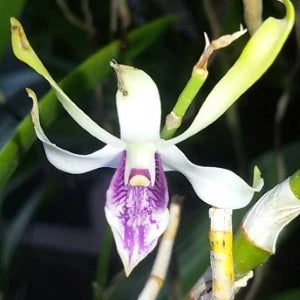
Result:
[262,225]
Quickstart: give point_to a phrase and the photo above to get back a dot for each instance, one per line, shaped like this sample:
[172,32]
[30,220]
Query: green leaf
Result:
[18,226]
[8,9]
[77,83]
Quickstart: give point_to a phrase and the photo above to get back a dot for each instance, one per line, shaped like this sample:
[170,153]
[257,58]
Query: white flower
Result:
[137,199]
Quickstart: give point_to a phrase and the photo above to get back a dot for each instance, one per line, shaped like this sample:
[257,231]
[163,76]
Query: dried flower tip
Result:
[219,43]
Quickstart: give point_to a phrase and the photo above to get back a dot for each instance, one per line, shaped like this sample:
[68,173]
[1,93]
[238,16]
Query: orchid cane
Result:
[137,198]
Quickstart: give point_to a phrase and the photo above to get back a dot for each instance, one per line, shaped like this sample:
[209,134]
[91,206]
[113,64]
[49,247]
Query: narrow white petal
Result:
[218,187]
[70,162]
[138,105]
[73,163]
[23,51]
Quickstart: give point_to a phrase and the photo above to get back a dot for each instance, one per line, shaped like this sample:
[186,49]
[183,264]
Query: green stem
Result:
[185,99]
[295,183]
[246,255]
[189,92]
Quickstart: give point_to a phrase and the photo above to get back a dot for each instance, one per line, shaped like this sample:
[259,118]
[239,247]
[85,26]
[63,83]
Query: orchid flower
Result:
[137,199]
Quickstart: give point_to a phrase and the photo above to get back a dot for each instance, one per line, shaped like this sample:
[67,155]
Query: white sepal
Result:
[218,187]
[138,105]
[272,212]
[23,51]
[69,162]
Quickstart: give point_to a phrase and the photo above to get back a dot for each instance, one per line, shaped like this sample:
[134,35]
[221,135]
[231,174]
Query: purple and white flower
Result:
[137,199]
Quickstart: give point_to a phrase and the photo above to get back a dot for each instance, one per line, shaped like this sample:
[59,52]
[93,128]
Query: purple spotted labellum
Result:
[137,213]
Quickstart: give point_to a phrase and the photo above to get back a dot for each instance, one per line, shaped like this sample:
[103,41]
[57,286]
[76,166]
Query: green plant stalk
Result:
[295,183]
[77,83]
[185,99]
[189,92]
[246,255]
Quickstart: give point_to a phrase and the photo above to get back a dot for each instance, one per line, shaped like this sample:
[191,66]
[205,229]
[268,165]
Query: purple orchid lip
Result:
[138,215]
[143,172]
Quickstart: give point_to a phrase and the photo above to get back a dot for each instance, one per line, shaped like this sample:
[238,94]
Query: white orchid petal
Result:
[70,162]
[218,187]
[73,163]
[138,105]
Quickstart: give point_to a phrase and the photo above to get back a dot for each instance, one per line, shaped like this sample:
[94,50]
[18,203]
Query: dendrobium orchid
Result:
[137,199]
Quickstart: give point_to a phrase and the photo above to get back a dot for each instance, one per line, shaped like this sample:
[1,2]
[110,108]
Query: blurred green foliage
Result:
[8,9]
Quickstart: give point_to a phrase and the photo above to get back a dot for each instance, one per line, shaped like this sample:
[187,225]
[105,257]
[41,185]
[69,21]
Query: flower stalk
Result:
[159,270]
[295,183]
[220,238]
[174,118]
[247,256]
